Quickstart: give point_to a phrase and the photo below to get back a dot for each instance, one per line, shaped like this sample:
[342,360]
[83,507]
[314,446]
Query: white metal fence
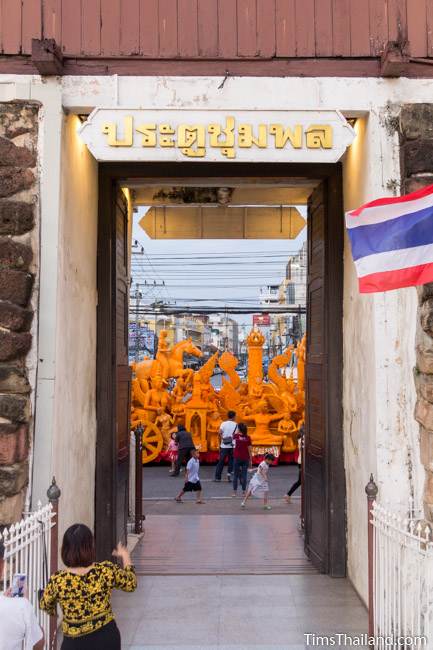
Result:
[27,550]
[403,578]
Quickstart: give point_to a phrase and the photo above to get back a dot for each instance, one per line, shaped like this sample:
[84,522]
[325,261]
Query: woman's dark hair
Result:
[270,457]
[231,415]
[243,428]
[78,547]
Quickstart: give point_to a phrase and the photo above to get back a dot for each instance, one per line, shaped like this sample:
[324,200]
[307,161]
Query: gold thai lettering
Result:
[282,135]
[319,136]
[247,139]
[165,131]
[227,144]
[110,129]
[149,134]
[192,140]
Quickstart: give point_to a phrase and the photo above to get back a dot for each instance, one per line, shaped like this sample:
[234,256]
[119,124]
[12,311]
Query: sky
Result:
[213,271]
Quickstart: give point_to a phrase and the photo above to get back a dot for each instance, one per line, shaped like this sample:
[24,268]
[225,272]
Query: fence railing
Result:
[400,577]
[31,547]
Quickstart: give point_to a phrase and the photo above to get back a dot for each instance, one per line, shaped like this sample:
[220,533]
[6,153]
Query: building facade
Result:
[224,333]
[58,63]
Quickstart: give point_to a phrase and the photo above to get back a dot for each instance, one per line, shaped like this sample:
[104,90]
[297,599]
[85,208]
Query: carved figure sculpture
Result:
[165,423]
[228,362]
[300,354]
[162,355]
[255,342]
[151,367]
[195,415]
[262,435]
[213,427]
[288,429]
[156,397]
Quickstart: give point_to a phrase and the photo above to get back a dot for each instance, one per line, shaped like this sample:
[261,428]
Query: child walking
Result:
[172,450]
[192,483]
[259,484]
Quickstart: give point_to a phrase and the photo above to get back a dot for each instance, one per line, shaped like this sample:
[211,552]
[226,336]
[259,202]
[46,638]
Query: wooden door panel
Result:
[123,371]
[316,433]
[324,483]
[316,413]
[316,517]
[316,305]
[123,411]
[113,373]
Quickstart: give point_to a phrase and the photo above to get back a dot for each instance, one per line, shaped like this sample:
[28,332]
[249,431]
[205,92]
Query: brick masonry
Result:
[18,268]
[416,133]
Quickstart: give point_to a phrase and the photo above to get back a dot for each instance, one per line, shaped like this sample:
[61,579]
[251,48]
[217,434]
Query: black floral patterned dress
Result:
[85,600]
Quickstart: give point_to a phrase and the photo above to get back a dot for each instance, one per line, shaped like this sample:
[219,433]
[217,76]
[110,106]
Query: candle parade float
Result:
[166,394]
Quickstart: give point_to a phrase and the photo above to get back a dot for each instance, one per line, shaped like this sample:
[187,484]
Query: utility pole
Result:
[138,297]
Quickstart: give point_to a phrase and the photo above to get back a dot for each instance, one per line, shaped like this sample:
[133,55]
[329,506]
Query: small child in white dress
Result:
[259,484]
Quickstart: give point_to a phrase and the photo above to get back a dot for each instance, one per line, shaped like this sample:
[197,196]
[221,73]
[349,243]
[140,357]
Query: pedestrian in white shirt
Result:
[19,627]
[192,483]
[228,428]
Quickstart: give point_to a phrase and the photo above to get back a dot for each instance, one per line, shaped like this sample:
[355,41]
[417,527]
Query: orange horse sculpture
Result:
[174,367]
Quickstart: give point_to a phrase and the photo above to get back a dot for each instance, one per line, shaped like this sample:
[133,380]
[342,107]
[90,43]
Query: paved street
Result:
[159,490]
[212,578]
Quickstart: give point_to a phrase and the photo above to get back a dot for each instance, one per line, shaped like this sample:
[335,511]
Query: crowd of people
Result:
[236,450]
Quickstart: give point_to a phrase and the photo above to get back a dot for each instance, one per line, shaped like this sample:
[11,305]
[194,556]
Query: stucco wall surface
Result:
[380,432]
[75,387]
[379,352]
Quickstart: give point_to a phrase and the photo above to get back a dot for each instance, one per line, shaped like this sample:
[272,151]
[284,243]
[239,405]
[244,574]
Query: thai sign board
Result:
[261,320]
[120,134]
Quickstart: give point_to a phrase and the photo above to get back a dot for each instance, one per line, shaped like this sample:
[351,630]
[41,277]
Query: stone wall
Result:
[416,132]
[18,269]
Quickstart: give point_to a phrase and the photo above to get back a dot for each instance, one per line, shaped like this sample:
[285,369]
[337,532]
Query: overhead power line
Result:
[209,309]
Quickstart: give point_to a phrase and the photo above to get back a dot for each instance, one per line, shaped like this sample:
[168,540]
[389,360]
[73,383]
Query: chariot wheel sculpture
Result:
[152,442]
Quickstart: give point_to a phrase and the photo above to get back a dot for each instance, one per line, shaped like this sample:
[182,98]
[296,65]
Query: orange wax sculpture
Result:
[273,409]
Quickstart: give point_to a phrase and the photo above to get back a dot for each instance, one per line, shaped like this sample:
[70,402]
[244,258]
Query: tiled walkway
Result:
[236,612]
[262,543]
[231,587]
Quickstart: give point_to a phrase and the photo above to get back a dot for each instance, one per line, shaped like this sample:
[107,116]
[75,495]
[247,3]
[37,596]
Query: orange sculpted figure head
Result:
[157,382]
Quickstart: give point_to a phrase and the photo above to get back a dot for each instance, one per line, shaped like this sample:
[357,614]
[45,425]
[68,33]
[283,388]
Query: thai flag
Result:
[392,241]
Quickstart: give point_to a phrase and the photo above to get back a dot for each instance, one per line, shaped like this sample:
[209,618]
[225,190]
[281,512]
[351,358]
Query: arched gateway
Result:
[320,186]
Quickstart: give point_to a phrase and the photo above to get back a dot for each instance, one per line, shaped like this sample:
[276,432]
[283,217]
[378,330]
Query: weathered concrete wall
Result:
[75,387]
[416,132]
[18,270]
[380,432]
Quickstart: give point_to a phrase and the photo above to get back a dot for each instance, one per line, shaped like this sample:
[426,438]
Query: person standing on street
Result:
[242,457]
[185,447]
[298,482]
[192,478]
[228,429]
[259,484]
[19,627]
